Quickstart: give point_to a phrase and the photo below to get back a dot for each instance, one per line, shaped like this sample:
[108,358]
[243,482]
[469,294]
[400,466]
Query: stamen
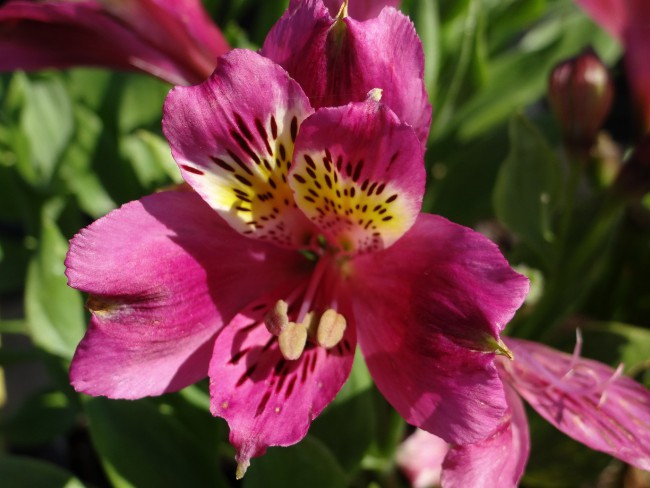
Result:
[605,385]
[331,328]
[276,319]
[576,350]
[374,95]
[308,299]
[292,340]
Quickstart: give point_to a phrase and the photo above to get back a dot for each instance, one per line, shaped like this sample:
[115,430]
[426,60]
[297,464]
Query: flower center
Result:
[302,322]
[325,330]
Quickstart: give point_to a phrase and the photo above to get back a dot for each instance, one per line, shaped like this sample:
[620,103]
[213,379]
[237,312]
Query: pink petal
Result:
[267,400]
[339,65]
[38,35]
[358,174]
[233,138]
[499,460]
[420,456]
[585,399]
[433,302]
[164,274]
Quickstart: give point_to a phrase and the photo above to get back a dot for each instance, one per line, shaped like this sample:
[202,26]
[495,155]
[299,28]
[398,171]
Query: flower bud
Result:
[580,92]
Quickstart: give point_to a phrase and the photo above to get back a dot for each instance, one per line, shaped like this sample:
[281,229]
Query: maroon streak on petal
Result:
[233,138]
[358,174]
[266,399]
[164,274]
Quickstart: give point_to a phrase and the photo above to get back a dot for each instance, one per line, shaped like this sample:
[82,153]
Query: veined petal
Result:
[164,274]
[38,35]
[340,61]
[499,460]
[434,302]
[585,399]
[358,174]
[266,399]
[233,139]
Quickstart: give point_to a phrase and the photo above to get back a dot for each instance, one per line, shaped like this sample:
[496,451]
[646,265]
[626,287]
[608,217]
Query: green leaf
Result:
[528,186]
[54,312]
[76,171]
[308,463]
[40,419]
[518,77]
[143,444]
[22,472]
[346,427]
[47,122]
[141,103]
[427,24]
[151,158]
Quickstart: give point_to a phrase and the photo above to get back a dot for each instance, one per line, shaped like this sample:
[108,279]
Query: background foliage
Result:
[76,144]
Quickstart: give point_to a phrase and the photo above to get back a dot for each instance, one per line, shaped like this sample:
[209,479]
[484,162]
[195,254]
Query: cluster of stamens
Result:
[325,330]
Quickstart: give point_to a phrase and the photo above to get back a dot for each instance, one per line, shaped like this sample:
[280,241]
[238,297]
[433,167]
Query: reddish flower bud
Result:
[580,92]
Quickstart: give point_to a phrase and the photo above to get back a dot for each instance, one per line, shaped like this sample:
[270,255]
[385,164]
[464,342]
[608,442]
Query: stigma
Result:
[324,330]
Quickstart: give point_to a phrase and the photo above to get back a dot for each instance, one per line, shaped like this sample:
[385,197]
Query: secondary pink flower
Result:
[628,21]
[175,41]
[585,399]
[338,59]
[313,240]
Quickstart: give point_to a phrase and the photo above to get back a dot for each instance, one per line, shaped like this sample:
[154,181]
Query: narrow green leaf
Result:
[47,122]
[76,169]
[427,24]
[528,186]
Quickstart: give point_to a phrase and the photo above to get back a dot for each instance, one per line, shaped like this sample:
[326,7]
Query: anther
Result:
[292,340]
[331,328]
[374,95]
[276,319]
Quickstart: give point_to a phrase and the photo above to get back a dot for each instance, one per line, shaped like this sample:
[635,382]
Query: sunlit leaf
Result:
[54,311]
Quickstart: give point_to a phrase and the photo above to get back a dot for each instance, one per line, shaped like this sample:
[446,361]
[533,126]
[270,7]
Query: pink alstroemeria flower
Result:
[303,236]
[172,40]
[629,22]
[587,400]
